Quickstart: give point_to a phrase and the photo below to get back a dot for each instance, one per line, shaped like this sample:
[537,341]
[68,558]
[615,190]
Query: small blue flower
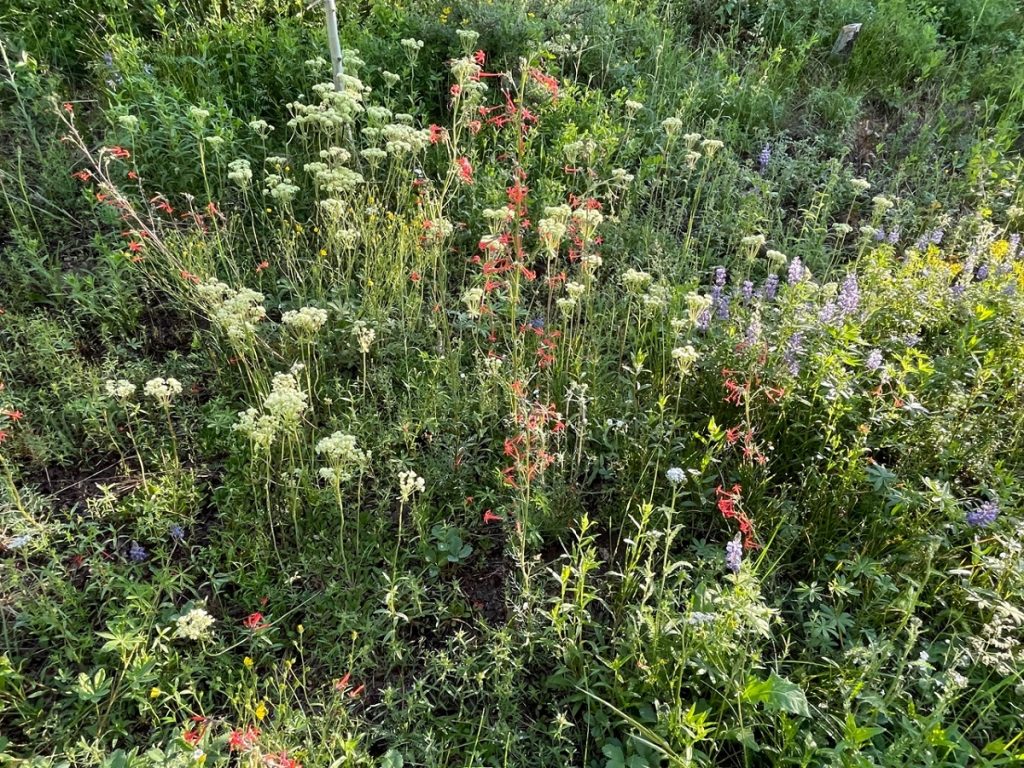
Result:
[177,532]
[719,276]
[874,360]
[983,515]
[675,475]
[747,291]
[19,541]
[764,158]
[734,555]
[796,271]
[771,287]
[537,323]
[137,553]
[849,295]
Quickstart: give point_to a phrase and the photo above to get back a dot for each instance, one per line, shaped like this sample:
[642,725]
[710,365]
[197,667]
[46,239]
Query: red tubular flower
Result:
[262,265]
[465,169]
[134,246]
[255,622]
[480,57]
[243,741]
[490,517]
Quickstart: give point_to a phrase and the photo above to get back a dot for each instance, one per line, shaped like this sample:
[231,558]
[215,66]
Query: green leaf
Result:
[778,695]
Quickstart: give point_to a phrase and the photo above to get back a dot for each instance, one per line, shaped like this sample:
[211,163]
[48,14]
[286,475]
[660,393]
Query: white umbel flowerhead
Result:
[162,390]
[195,625]
[409,484]
[675,475]
[120,389]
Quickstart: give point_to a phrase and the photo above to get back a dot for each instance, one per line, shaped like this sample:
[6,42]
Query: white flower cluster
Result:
[672,125]
[235,312]
[473,299]
[162,390]
[195,625]
[496,218]
[587,220]
[306,322]
[636,281]
[400,139]
[240,172]
[280,188]
[282,409]
[343,455]
[439,230]
[121,389]
[365,336]
[696,305]
[684,358]
[409,483]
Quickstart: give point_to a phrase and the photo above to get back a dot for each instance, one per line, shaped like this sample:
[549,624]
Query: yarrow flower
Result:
[675,475]
[983,515]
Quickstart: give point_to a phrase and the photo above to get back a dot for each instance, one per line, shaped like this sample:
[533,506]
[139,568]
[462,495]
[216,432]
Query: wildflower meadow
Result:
[600,384]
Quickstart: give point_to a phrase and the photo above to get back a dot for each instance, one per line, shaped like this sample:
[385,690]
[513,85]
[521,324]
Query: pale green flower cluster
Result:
[684,358]
[496,218]
[590,263]
[280,188]
[696,305]
[636,281]
[343,455]
[473,299]
[235,312]
[282,410]
[196,625]
[162,390]
[365,336]
[121,389]
[401,139]
[439,230]
[409,484]
[656,300]
[587,220]
[753,241]
[671,125]
[581,150]
[240,172]
[306,322]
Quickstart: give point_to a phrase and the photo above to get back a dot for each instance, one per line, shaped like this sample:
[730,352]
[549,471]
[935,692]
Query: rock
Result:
[844,42]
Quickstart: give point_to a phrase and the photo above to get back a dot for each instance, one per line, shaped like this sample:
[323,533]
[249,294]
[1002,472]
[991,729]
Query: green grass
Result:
[645,390]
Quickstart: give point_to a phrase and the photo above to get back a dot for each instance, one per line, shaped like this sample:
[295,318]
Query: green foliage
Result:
[644,390]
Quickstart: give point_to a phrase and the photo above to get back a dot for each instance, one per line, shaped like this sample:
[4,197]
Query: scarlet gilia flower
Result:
[14,415]
[3,435]
[549,82]
[243,741]
[133,175]
[68,107]
[490,517]
[120,153]
[262,265]
[134,246]
[437,133]
[475,126]
[188,276]
[415,276]
[480,57]
[83,175]
[341,684]
[280,760]
[455,90]
[465,169]
[255,622]
[732,435]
